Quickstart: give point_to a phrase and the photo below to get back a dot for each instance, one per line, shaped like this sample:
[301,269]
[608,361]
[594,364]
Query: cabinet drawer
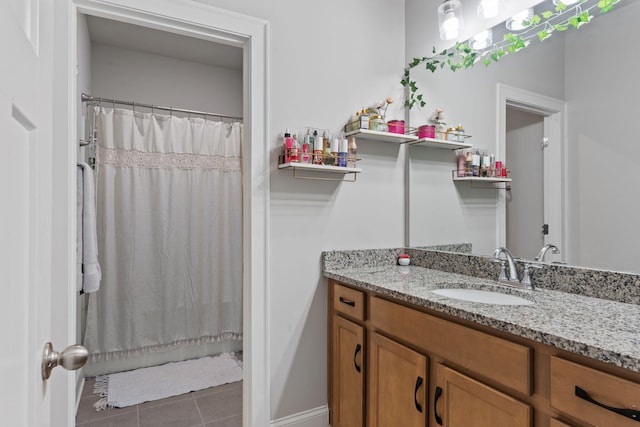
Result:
[497,359]
[348,301]
[603,388]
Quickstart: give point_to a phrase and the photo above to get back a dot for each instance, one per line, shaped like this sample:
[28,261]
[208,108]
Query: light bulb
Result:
[489,8]
[515,23]
[450,19]
[482,40]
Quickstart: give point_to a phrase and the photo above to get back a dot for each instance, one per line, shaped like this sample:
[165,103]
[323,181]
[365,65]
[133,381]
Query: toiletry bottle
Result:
[295,151]
[342,153]
[335,146]
[486,164]
[492,165]
[497,172]
[327,158]
[364,119]
[305,154]
[476,163]
[317,148]
[468,164]
[351,155]
[288,145]
[462,158]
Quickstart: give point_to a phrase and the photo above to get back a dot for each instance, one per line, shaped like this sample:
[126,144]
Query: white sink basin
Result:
[483,297]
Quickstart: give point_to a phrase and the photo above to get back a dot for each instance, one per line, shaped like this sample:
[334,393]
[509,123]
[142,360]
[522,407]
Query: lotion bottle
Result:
[317,148]
[351,154]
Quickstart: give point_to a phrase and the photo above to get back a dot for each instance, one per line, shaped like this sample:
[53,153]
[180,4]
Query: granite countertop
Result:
[601,329]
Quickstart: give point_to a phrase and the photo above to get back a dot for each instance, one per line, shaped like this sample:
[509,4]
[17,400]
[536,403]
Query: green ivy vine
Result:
[462,56]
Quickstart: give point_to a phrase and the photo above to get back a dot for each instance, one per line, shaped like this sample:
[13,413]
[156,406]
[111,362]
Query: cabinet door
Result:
[348,374]
[557,423]
[397,385]
[460,401]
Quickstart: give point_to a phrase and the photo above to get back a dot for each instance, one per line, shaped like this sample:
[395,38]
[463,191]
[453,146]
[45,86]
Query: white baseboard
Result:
[318,417]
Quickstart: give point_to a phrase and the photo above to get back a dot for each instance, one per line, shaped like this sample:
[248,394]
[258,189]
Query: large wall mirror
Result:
[581,87]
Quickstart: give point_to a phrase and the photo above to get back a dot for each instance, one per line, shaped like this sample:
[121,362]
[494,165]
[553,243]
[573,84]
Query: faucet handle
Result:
[526,277]
[503,268]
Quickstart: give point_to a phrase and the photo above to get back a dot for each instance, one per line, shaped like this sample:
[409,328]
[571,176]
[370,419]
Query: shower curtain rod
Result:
[91,98]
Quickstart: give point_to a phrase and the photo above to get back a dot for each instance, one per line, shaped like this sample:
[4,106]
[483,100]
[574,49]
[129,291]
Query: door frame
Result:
[202,21]
[555,180]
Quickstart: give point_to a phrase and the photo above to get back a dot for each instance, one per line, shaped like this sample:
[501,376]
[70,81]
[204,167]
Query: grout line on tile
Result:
[198,409]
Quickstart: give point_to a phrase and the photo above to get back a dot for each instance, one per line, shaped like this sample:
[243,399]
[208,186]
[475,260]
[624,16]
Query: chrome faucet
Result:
[513,273]
[554,250]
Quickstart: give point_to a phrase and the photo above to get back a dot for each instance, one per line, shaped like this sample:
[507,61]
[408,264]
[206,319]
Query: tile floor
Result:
[214,407]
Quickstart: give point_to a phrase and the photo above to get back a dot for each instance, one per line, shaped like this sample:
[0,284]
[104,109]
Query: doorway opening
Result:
[248,34]
[535,127]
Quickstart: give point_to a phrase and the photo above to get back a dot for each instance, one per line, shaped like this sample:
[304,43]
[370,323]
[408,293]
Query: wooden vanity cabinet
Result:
[392,364]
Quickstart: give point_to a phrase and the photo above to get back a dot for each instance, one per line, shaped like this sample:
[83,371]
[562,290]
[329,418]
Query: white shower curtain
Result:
[169,203]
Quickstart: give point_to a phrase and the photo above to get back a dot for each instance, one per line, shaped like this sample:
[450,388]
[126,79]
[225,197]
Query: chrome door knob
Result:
[71,358]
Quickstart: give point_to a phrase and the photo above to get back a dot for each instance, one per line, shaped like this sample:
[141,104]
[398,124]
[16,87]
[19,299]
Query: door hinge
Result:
[545,142]
[545,229]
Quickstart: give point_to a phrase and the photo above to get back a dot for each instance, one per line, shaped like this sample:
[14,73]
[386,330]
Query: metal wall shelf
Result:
[480,181]
[375,135]
[439,143]
[296,167]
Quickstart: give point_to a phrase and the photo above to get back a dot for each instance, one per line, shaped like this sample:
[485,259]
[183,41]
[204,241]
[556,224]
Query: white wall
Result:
[130,75]
[327,60]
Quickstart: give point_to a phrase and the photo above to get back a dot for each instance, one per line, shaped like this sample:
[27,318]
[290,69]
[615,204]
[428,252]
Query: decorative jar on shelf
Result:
[426,131]
[396,126]
[377,123]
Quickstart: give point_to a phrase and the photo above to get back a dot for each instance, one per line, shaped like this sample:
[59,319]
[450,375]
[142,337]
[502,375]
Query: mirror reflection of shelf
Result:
[377,135]
[481,179]
[477,181]
[295,167]
[439,143]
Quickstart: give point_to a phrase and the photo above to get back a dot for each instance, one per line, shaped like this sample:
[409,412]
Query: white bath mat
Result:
[157,382]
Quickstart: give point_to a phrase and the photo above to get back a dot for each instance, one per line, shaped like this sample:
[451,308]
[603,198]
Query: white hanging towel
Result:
[91,273]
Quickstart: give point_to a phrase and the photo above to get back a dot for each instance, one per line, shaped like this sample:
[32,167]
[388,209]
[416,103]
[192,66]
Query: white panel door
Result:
[26,219]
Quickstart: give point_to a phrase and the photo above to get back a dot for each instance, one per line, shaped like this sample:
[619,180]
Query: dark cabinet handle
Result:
[419,381]
[629,413]
[348,302]
[435,403]
[355,354]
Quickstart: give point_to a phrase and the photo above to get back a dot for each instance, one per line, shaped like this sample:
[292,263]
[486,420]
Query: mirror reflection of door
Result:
[525,200]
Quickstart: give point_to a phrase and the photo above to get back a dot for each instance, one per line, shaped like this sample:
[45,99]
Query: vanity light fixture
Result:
[450,19]
[515,23]
[482,40]
[565,2]
[490,8]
